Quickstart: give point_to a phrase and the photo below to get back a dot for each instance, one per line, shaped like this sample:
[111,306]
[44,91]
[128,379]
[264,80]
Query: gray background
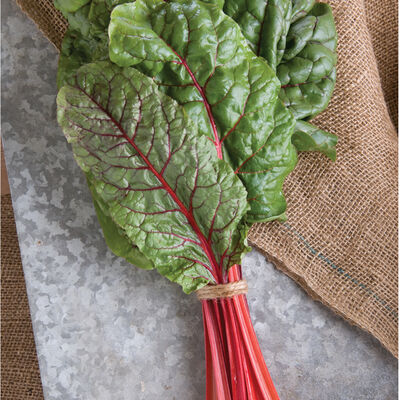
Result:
[106,330]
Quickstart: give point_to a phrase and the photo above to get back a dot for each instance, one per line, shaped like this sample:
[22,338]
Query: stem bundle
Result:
[235,366]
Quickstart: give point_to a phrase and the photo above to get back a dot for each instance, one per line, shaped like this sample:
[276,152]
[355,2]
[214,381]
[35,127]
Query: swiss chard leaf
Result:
[264,24]
[89,17]
[298,39]
[70,6]
[86,39]
[76,12]
[114,236]
[307,71]
[198,56]
[300,8]
[161,181]
[308,137]
[303,55]
[77,50]
[276,159]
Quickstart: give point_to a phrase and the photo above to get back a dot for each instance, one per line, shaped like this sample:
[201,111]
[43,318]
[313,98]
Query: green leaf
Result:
[264,24]
[86,39]
[308,137]
[69,6]
[76,12]
[198,56]
[307,71]
[77,50]
[89,17]
[304,56]
[277,158]
[161,181]
[99,14]
[115,237]
[300,8]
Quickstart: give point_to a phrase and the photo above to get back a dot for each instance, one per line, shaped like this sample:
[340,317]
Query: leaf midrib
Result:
[217,141]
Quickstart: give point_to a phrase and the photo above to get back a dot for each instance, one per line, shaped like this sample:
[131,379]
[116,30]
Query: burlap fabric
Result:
[20,378]
[382,21]
[47,18]
[340,241]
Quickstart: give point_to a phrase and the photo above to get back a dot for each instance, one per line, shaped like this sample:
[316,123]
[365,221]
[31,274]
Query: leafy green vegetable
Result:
[264,173]
[89,17]
[86,39]
[306,88]
[298,40]
[307,71]
[197,55]
[76,12]
[300,8]
[68,7]
[160,179]
[194,54]
[303,55]
[308,137]
[163,149]
[77,50]
[277,158]
[264,24]
[115,237]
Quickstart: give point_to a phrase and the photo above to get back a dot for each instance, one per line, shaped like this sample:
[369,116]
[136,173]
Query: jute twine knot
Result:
[222,291]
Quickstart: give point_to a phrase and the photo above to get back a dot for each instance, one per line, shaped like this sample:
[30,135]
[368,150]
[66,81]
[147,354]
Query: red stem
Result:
[200,89]
[236,369]
[235,275]
[235,366]
[235,357]
[220,385]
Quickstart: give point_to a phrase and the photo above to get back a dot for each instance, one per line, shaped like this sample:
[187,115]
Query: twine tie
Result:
[222,291]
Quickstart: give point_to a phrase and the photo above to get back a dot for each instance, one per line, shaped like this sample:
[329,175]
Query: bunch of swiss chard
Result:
[186,117]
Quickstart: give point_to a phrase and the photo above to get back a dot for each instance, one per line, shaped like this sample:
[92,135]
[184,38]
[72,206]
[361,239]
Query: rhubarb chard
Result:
[186,117]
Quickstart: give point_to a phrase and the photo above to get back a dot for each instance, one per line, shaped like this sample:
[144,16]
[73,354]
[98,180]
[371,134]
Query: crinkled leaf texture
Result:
[77,50]
[68,7]
[298,40]
[265,25]
[300,8]
[76,12]
[89,17]
[198,56]
[86,40]
[307,71]
[161,181]
[114,236]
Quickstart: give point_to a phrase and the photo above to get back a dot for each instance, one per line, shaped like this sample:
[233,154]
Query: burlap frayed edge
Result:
[55,19]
